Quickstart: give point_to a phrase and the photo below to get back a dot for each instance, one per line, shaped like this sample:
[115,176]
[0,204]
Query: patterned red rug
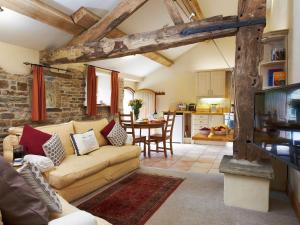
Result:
[133,200]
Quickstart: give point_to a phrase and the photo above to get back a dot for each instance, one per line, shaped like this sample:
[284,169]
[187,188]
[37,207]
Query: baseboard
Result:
[295,202]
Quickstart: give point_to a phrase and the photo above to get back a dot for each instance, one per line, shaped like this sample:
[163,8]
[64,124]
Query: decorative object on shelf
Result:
[278,54]
[136,105]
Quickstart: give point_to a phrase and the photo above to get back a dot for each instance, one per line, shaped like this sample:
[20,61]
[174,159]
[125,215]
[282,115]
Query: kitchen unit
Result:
[205,120]
[211,83]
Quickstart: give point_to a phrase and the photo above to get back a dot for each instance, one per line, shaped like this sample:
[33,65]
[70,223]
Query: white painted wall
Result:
[12,58]
[179,80]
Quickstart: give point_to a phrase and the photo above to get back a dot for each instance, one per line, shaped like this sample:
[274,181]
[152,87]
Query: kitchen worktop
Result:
[199,113]
[222,138]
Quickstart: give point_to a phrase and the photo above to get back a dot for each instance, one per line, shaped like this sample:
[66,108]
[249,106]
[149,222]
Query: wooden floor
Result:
[190,158]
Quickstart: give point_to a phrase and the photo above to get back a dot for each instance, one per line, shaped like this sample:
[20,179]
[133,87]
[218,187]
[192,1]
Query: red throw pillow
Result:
[106,130]
[33,140]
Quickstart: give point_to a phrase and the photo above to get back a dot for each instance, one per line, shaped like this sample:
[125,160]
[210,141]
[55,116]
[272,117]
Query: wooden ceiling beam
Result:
[86,19]
[44,13]
[173,11]
[114,18]
[165,38]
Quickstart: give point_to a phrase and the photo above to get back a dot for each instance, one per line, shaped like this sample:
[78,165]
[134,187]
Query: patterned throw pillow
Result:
[54,150]
[43,163]
[117,135]
[84,143]
[33,177]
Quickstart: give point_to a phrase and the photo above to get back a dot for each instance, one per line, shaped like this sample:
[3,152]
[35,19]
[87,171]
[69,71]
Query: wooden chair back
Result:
[169,124]
[126,121]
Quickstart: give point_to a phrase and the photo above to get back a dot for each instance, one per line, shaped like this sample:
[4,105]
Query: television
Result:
[277,123]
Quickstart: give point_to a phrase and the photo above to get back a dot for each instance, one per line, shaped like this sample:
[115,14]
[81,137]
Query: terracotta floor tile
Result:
[189,158]
[203,165]
[216,166]
[213,171]
[206,160]
[198,170]
[180,167]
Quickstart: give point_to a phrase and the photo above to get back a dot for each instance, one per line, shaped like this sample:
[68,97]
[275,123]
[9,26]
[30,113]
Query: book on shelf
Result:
[279,78]
[271,76]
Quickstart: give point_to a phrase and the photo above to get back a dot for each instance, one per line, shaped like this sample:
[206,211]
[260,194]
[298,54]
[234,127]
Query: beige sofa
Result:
[77,176]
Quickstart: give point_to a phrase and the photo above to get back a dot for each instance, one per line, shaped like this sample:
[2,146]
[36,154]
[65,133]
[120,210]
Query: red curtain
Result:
[38,105]
[91,91]
[114,100]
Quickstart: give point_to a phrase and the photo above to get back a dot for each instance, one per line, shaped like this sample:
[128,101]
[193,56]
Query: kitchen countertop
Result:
[200,113]
[222,138]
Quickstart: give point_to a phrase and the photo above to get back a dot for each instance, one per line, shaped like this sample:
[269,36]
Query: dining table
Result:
[149,125]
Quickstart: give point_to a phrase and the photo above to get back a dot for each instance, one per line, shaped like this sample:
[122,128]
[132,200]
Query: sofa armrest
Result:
[8,143]
[76,218]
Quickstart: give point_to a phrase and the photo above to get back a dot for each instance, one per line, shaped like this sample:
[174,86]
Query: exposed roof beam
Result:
[165,38]
[173,11]
[120,13]
[86,19]
[43,13]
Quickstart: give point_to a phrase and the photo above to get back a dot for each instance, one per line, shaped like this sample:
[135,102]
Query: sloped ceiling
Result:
[23,31]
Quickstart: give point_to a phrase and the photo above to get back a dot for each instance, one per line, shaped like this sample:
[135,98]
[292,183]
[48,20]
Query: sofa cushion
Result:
[74,168]
[19,204]
[63,130]
[34,178]
[68,209]
[84,143]
[54,150]
[117,136]
[106,130]
[76,218]
[33,140]
[115,155]
[96,125]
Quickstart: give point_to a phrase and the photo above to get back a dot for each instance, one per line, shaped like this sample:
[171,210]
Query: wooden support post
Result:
[246,77]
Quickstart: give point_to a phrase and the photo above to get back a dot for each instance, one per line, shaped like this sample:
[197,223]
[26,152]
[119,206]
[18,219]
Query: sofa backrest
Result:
[63,130]
[96,125]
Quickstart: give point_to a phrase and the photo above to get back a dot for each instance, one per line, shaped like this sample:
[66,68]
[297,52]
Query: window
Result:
[128,95]
[103,88]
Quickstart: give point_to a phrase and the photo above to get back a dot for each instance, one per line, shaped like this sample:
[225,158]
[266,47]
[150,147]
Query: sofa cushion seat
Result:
[74,168]
[115,155]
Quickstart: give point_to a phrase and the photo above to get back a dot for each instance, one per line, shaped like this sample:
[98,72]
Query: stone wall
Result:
[69,89]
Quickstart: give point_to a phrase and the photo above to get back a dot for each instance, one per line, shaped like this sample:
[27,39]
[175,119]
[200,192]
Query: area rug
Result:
[133,200]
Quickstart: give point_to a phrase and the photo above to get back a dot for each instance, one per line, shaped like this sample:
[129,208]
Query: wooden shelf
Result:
[273,63]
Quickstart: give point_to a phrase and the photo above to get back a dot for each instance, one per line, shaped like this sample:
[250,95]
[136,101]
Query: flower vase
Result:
[136,113]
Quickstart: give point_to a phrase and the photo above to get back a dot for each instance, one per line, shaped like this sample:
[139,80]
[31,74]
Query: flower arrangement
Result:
[136,104]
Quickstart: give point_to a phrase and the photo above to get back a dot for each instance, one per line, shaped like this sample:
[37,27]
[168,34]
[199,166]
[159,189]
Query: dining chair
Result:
[166,134]
[127,122]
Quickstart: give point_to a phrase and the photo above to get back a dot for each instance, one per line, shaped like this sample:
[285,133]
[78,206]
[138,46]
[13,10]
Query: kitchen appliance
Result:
[229,120]
[181,107]
[192,107]
[177,136]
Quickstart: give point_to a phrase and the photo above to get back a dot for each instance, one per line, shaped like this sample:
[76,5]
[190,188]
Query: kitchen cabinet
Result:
[211,83]
[200,121]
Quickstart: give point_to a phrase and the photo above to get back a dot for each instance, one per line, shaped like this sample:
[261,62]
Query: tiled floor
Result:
[190,158]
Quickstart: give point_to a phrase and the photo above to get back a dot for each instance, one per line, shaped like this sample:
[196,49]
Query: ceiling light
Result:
[1,9]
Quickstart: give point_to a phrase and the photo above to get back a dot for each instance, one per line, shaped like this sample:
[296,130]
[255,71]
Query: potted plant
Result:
[136,104]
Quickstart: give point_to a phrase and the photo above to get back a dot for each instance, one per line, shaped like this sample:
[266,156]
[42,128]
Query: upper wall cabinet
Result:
[211,84]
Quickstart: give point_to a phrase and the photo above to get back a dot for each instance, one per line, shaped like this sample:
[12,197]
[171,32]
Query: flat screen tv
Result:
[277,123]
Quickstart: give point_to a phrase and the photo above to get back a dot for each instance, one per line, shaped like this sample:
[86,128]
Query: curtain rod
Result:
[102,68]
[46,66]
